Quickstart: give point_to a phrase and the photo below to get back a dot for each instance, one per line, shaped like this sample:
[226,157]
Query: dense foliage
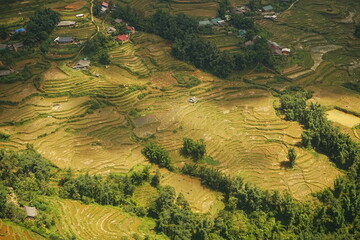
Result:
[40,26]
[158,155]
[195,149]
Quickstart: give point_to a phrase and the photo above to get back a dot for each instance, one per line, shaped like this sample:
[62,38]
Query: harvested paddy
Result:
[346,119]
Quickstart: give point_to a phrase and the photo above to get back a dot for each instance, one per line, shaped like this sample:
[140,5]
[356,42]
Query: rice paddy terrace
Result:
[99,222]
[14,232]
[92,124]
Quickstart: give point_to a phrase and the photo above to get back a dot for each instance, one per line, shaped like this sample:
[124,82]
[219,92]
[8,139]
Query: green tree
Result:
[104,58]
[292,156]
[195,149]
[4,32]
[223,7]
[155,181]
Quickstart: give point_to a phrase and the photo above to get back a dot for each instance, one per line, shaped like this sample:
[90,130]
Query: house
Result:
[204,23]
[82,64]
[285,51]
[270,16]
[20,30]
[2,47]
[64,40]
[118,20]
[80,15]
[4,73]
[221,23]
[275,48]
[130,29]
[66,24]
[31,212]
[268,8]
[249,43]
[105,4]
[192,100]
[242,33]
[16,46]
[110,30]
[123,38]
[240,10]
[215,21]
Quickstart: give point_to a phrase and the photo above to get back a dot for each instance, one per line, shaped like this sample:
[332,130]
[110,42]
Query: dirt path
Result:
[318,52]
[92,20]
[348,19]
[291,6]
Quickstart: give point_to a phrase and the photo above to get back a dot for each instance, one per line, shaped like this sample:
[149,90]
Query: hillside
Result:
[84,111]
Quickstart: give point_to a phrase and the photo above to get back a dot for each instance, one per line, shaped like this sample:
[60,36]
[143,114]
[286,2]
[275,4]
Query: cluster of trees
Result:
[27,175]
[97,48]
[194,149]
[174,216]
[158,155]
[320,133]
[207,56]
[40,26]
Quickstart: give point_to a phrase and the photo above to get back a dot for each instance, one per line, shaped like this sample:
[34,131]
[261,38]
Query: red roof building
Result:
[130,29]
[104,4]
[122,38]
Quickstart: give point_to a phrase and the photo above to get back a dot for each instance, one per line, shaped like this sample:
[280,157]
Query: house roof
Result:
[268,8]
[105,4]
[66,23]
[20,30]
[205,22]
[118,20]
[80,15]
[249,43]
[64,39]
[30,211]
[242,32]
[18,45]
[122,37]
[111,29]
[129,28]
[286,50]
[216,20]
[83,63]
[5,72]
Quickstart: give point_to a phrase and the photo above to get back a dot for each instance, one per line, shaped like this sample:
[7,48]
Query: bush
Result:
[158,155]
[195,149]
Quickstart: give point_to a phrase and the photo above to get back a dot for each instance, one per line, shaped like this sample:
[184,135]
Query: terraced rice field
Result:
[201,199]
[342,118]
[145,55]
[14,232]
[98,222]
